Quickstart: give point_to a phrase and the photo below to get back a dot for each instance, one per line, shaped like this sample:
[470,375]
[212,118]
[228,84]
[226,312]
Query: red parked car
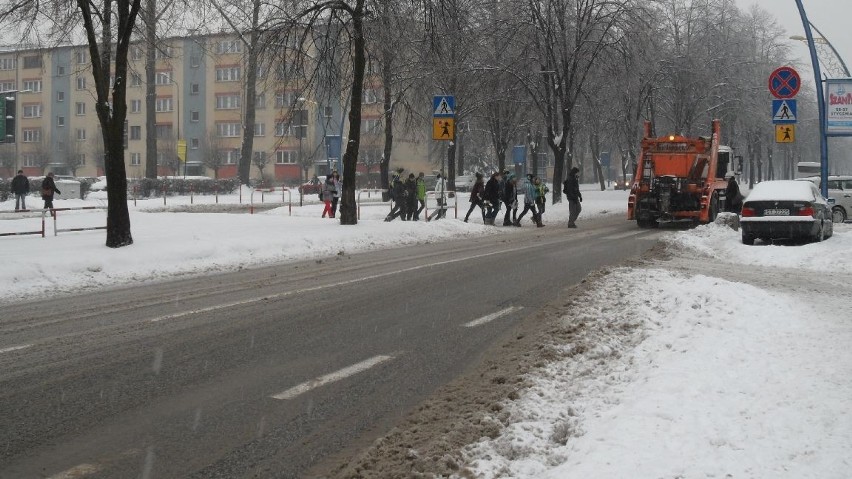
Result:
[312,187]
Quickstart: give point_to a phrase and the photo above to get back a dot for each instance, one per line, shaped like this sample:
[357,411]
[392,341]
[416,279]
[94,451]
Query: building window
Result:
[260,101]
[328,112]
[81,159]
[135,106]
[34,85]
[60,96]
[60,70]
[194,143]
[30,159]
[232,156]
[163,104]
[229,46]
[135,79]
[228,130]
[286,99]
[371,95]
[228,74]
[163,52]
[31,135]
[81,134]
[288,129]
[60,121]
[194,61]
[80,57]
[228,101]
[81,83]
[195,116]
[194,88]
[7,85]
[80,108]
[371,125]
[32,110]
[164,131]
[163,78]
[33,61]
[135,159]
[8,63]
[260,129]
[136,53]
[135,132]
[286,157]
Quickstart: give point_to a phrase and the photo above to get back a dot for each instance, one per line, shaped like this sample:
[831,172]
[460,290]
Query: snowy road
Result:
[267,371]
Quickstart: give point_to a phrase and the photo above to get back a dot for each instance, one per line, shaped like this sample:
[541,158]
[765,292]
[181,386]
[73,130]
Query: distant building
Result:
[199,101]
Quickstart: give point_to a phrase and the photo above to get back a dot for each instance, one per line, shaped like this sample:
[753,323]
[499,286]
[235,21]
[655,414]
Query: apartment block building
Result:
[200,89]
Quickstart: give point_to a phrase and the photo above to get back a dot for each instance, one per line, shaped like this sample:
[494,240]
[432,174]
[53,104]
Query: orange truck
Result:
[680,179]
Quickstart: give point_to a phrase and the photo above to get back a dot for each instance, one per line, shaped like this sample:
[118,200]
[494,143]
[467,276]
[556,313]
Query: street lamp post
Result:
[823,138]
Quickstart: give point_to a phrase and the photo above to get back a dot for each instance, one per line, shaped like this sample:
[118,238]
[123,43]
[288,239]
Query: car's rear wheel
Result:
[838,215]
[713,209]
[748,239]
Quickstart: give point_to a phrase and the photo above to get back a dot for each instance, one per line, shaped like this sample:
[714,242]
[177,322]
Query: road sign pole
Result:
[823,139]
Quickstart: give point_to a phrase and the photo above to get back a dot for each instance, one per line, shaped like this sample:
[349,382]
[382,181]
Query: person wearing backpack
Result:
[541,196]
[571,188]
[440,199]
[397,195]
[530,193]
[491,195]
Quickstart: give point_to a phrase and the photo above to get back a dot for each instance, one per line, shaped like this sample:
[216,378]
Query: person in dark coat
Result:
[491,195]
[510,198]
[397,194]
[48,189]
[733,200]
[410,197]
[21,188]
[476,197]
[335,195]
[572,192]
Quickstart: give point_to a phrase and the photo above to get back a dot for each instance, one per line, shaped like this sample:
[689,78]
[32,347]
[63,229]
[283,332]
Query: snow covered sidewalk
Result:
[680,373]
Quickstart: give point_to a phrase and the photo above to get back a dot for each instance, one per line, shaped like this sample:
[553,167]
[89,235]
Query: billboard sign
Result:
[838,107]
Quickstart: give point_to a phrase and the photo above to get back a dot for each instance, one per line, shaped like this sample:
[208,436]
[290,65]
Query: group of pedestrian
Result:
[331,190]
[408,196]
[21,188]
[502,188]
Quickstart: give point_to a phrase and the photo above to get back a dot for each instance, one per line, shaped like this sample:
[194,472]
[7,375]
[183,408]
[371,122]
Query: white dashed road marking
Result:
[330,378]
[492,316]
[14,348]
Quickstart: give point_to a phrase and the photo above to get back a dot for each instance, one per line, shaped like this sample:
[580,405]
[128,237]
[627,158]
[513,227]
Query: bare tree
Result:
[260,160]
[167,154]
[213,153]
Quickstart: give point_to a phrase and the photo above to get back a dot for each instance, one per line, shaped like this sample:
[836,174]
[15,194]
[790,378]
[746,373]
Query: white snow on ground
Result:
[169,244]
[694,376]
[679,375]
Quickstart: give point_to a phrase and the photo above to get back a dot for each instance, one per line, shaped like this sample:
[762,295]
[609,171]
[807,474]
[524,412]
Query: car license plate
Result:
[776,212]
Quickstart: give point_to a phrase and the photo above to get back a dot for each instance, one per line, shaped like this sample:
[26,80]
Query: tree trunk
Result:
[150,89]
[348,208]
[251,94]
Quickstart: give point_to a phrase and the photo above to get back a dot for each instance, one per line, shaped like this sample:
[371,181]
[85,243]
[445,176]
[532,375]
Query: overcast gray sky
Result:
[832,17]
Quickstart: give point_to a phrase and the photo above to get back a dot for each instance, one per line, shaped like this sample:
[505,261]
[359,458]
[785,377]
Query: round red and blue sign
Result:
[784,83]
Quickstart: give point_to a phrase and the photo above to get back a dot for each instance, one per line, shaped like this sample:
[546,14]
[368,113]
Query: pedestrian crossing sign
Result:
[443,129]
[783,111]
[785,133]
[443,106]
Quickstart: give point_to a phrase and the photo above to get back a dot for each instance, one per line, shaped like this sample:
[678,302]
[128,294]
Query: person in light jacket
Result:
[328,196]
[530,194]
[21,188]
[335,194]
[48,189]
[440,199]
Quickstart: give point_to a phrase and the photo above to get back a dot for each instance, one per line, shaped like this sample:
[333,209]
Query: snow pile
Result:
[724,244]
[685,376]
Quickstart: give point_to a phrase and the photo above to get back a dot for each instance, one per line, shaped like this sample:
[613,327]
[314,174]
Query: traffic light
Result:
[7,119]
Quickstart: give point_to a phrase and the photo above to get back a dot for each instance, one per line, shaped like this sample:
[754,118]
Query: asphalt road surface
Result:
[265,372]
